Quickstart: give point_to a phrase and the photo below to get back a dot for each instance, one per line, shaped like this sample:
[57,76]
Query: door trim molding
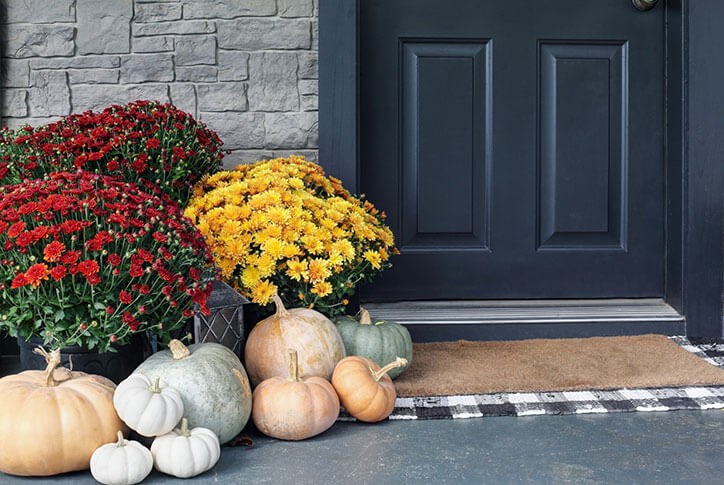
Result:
[694,130]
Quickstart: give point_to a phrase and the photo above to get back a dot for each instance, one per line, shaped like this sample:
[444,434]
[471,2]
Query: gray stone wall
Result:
[247,68]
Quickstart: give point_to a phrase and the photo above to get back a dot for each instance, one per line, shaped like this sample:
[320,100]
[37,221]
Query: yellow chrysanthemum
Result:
[296,269]
[374,258]
[318,270]
[322,288]
[262,292]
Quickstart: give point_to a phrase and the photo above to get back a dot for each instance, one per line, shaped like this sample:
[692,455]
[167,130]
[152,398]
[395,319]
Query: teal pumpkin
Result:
[380,341]
[212,382]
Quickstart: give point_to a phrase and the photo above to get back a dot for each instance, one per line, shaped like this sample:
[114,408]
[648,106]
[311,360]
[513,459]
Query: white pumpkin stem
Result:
[156,385]
[185,427]
[281,310]
[293,365]
[398,362]
[52,360]
[364,317]
[121,440]
[178,349]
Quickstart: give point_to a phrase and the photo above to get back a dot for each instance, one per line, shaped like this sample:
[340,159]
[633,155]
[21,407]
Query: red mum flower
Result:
[16,229]
[110,310]
[70,257]
[53,251]
[114,259]
[36,274]
[58,272]
[129,320]
[19,281]
[88,267]
[153,143]
[112,166]
[135,271]
[125,297]
[167,290]
[159,237]
[93,279]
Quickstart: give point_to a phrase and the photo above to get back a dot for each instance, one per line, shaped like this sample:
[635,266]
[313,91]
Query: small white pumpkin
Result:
[121,463]
[149,408]
[186,452]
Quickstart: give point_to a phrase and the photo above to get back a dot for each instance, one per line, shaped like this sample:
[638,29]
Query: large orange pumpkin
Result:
[51,421]
[313,335]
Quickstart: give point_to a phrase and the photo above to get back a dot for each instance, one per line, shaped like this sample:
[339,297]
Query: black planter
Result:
[114,365]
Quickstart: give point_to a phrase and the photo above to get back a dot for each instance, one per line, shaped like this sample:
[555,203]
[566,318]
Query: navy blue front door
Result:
[516,146]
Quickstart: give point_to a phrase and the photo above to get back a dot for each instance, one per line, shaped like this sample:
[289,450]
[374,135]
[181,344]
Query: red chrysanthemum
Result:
[88,267]
[53,251]
[125,297]
[36,274]
[58,273]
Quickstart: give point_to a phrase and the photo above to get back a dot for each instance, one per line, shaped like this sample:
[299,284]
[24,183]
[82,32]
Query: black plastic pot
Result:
[114,365]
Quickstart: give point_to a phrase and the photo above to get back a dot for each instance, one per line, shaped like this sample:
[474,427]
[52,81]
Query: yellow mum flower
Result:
[373,257]
[318,270]
[262,292]
[250,276]
[322,288]
[296,269]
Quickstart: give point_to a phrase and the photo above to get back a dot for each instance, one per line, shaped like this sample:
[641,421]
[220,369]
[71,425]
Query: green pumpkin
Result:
[381,341]
[212,382]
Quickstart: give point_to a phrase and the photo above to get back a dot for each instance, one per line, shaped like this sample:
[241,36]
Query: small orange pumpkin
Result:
[52,421]
[365,389]
[294,408]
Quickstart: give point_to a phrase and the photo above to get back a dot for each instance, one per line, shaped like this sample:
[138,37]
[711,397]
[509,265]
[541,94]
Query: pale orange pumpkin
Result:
[313,335]
[292,408]
[364,389]
[52,421]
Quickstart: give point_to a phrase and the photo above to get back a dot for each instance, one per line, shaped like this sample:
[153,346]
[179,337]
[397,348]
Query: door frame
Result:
[694,151]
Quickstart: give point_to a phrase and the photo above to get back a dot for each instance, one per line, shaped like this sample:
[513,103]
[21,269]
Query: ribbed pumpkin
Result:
[212,383]
[313,335]
[364,389]
[380,341]
[292,408]
[52,421]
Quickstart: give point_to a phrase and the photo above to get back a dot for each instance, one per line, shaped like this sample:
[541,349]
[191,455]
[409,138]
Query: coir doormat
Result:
[704,392]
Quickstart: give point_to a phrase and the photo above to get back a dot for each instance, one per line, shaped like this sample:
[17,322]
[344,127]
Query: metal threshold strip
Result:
[481,312]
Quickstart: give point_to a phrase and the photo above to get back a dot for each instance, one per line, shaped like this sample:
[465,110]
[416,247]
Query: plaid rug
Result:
[571,402]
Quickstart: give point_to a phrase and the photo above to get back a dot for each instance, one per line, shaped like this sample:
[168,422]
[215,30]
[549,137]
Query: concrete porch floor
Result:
[675,447]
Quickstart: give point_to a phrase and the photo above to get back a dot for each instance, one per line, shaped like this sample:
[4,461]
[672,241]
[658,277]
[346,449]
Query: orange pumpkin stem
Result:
[364,317]
[121,441]
[178,349]
[293,365]
[53,360]
[281,310]
[398,362]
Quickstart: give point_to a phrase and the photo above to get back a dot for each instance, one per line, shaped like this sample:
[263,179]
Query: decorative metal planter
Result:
[225,323]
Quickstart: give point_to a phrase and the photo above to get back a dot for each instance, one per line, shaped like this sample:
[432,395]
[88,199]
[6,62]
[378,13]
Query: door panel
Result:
[516,147]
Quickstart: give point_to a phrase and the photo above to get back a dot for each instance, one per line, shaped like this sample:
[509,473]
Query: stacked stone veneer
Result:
[247,68]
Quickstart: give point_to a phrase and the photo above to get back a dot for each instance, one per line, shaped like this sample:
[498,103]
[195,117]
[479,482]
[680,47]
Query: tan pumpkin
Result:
[364,389]
[313,335]
[294,408]
[52,421]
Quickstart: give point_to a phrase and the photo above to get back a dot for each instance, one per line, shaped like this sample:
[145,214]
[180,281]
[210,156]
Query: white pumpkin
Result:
[149,408]
[121,463]
[185,452]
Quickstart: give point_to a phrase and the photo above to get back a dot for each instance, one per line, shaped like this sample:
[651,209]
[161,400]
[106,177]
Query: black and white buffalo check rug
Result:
[571,402]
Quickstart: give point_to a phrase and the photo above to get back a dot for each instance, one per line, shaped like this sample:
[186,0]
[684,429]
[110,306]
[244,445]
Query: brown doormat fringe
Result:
[537,365]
